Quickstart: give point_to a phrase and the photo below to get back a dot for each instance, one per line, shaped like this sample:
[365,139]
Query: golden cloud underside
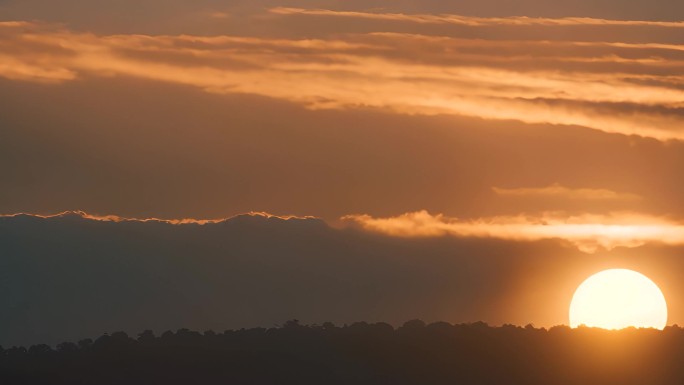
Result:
[588,232]
[631,88]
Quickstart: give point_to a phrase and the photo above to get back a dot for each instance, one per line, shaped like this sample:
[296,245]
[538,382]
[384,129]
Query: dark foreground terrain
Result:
[361,353]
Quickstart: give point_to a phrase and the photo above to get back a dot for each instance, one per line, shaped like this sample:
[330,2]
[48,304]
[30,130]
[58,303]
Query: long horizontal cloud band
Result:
[588,233]
[616,87]
[475,21]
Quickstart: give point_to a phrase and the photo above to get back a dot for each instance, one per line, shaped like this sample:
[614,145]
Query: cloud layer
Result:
[589,233]
[631,88]
[74,275]
[557,190]
[472,21]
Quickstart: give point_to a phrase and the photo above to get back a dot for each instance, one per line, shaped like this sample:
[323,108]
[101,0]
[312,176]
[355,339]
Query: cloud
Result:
[219,15]
[171,16]
[73,275]
[589,233]
[558,191]
[78,214]
[473,21]
[631,89]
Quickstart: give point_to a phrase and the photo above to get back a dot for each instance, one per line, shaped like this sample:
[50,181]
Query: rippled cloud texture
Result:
[532,70]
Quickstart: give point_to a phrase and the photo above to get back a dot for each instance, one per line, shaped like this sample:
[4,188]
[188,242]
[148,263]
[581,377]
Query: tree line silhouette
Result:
[360,353]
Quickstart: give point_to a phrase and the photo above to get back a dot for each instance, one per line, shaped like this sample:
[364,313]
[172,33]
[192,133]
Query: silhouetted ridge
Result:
[361,353]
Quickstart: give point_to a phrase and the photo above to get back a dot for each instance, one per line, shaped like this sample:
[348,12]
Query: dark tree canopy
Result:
[360,353]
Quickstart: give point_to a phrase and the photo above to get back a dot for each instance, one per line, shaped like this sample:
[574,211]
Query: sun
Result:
[616,299]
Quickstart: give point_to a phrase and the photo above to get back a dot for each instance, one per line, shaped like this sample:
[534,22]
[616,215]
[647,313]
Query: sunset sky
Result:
[529,142]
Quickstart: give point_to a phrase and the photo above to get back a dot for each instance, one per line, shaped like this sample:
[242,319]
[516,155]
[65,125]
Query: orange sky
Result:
[361,105]
[532,123]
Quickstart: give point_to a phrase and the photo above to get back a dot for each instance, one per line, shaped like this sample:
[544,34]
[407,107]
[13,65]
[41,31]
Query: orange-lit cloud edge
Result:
[620,87]
[587,232]
[183,221]
[474,20]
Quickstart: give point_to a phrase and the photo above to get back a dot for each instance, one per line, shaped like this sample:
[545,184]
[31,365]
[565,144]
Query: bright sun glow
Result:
[616,299]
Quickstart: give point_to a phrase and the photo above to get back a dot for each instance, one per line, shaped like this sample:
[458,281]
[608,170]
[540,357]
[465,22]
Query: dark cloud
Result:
[68,277]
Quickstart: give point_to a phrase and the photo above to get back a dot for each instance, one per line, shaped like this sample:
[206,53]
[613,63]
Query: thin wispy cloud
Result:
[557,190]
[473,21]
